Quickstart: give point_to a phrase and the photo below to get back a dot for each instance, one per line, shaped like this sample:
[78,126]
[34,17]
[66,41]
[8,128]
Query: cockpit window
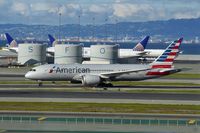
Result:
[33,70]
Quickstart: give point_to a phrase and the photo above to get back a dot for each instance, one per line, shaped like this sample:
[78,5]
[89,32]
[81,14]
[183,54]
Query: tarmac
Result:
[98,97]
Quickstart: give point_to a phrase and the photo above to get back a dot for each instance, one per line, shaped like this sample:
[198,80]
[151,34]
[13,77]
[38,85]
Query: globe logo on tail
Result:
[139,47]
[142,44]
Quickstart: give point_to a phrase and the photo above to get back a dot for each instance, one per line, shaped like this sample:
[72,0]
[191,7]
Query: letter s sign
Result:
[30,49]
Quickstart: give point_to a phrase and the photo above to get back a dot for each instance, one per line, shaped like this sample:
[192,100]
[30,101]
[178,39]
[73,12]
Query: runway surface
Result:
[97,95]
[73,86]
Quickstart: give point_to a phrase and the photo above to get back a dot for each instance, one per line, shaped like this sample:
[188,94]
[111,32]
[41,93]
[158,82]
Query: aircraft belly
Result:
[131,77]
[53,76]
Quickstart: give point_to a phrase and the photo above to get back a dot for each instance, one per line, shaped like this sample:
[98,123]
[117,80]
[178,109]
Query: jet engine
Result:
[91,80]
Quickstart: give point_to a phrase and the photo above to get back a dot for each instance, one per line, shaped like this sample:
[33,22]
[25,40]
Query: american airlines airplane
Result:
[100,74]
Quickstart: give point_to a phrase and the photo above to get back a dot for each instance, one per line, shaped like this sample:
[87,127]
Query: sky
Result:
[95,11]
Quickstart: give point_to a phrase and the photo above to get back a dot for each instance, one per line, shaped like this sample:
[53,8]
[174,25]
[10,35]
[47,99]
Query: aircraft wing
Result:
[12,50]
[109,74]
[130,57]
[9,49]
[114,74]
[136,56]
[143,53]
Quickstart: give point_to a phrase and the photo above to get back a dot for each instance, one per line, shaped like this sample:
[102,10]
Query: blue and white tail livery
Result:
[52,40]
[142,44]
[10,40]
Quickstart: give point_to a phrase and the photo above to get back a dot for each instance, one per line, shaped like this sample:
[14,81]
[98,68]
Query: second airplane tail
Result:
[52,40]
[142,44]
[10,40]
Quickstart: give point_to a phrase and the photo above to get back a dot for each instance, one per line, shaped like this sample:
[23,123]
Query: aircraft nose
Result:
[28,75]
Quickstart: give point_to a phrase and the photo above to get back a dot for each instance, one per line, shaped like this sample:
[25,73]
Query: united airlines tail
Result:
[142,44]
[52,40]
[167,58]
[10,40]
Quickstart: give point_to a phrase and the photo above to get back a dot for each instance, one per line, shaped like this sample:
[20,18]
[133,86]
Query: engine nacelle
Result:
[91,80]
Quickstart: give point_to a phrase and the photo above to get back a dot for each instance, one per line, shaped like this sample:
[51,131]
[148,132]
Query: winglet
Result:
[52,40]
[10,40]
[142,44]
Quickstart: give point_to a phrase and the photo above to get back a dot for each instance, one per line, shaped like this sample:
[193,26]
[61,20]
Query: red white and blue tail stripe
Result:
[142,44]
[167,58]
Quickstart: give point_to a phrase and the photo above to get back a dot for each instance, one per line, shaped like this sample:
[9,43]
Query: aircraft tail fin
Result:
[142,44]
[167,58]
[10,40]
[52,40]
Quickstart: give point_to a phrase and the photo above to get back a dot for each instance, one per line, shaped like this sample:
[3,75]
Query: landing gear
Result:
[105,85]
[109,85]
[39,83]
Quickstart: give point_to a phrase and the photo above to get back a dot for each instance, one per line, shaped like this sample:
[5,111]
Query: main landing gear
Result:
[39,83]
[105,85]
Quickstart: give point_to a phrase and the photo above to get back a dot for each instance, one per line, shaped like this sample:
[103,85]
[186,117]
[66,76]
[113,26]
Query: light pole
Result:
[106,30]
[79,27]
[116,30]
[59,28]
[93,33]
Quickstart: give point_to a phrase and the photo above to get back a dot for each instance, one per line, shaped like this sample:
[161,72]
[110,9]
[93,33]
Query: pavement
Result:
[98,97]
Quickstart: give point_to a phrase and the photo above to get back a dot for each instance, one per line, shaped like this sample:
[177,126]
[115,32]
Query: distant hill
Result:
[188,28]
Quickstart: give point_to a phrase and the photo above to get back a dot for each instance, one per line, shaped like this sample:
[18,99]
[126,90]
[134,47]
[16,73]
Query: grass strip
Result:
[165,91]
[141,83]
[100,107]
[32,82]
[184,76]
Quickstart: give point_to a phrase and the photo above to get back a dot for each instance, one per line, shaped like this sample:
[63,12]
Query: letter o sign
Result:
[102,50]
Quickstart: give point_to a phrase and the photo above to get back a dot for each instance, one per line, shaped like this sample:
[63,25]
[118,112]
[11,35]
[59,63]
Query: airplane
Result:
[100,74]
[51,45]
[138,50]
[12,44]
[52,41]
